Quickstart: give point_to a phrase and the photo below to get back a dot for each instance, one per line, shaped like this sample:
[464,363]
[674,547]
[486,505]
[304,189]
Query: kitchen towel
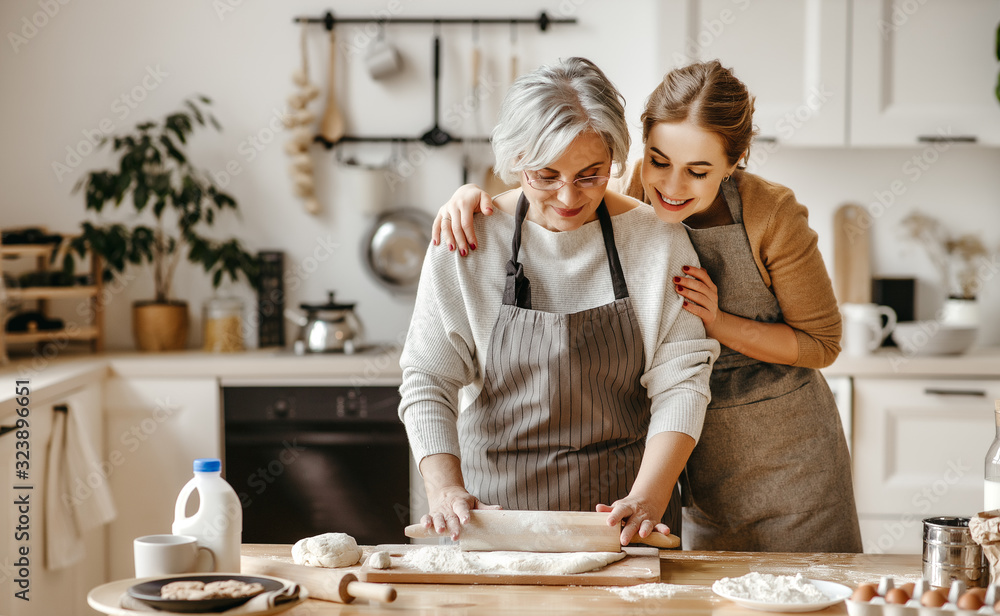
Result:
[77,497]
[261,603]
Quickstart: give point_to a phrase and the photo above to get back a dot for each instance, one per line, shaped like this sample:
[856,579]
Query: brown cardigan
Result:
[785,250]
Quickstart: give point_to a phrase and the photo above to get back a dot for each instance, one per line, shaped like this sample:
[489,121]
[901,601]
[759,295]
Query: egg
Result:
[908,587]
[864,593]
[979,592]
[933,598]
[969,601]
[897,596]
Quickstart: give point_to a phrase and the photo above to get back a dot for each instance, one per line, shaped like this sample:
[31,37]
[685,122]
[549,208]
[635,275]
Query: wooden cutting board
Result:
[641,566]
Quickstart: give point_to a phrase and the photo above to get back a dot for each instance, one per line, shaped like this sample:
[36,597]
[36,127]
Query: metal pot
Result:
[327,328]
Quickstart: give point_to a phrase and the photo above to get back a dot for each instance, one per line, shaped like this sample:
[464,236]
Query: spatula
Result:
[541,531]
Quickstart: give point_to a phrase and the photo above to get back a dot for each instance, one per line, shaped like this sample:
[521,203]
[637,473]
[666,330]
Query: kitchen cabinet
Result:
[919,447]
[156,427]
[792,56]
[923,71]
[62,591]
[850,72]
[91,329]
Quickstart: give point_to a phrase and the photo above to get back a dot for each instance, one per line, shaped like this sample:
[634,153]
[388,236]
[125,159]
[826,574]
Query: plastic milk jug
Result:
[218,523]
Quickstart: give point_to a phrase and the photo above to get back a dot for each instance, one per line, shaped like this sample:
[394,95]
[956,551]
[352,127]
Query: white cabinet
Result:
[850,72]
[791,55]
[924,70]
[62,591]
[919,449]
[155,429]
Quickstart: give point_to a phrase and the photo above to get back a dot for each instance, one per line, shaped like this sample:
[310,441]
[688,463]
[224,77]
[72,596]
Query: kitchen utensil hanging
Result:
[394,248]
[435,136]
[297,120]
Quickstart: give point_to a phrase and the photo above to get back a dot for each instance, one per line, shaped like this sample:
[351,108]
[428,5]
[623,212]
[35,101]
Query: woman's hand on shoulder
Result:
[449,509]
[701,296]
[453,225]
[639,517]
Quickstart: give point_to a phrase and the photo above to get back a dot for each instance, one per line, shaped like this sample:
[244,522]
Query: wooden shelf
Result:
[89,332]
[27,250]
[68,292]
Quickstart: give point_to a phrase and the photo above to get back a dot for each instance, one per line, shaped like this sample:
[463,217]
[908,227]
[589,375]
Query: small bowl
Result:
[933,338]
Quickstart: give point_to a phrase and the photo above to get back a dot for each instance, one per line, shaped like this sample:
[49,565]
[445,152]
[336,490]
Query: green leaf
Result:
[172,151]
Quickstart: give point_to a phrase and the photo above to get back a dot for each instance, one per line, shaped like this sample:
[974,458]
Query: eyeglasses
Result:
[546,184]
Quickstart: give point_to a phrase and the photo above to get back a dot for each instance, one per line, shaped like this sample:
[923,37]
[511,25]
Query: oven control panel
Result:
[322,403]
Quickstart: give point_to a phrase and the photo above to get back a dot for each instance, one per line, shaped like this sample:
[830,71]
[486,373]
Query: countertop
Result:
[890,362]
[691,572]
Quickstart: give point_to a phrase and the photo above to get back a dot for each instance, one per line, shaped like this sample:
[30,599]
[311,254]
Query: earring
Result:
[725,179]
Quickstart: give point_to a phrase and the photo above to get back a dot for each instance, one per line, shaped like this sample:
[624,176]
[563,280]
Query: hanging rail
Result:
[543,21]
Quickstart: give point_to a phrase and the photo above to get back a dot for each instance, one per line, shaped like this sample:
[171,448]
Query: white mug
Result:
[864,330]
[169,554]
[382,59]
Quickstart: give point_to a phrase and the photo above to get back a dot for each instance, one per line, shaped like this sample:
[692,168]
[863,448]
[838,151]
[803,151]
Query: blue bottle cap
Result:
[207,465]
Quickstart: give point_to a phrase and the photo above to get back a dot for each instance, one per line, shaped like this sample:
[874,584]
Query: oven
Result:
[311,459]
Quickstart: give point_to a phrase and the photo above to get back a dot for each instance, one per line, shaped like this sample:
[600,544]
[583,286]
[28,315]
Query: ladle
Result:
[437,136]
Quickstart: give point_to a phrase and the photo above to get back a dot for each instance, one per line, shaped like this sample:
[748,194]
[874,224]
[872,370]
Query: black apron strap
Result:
[614,263]
[517,287]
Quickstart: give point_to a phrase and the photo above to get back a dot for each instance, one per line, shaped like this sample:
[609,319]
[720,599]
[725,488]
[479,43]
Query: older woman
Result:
[579,384]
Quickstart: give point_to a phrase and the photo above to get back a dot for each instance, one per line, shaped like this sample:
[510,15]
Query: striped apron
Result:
[561,421]
[771,471]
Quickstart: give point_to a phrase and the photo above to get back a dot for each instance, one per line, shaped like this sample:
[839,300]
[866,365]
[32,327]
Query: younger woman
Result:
[771,471]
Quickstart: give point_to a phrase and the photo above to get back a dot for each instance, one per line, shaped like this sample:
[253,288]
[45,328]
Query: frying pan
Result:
[395,246]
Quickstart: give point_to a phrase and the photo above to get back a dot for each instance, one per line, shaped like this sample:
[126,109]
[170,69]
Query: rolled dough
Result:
[450,559]
[327,550]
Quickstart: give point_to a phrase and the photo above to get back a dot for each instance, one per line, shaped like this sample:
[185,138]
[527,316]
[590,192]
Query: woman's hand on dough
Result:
[638,517]
[453,225]
[701,296]
[449,509]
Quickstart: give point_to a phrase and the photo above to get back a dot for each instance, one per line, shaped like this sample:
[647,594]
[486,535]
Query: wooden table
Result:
[692,572]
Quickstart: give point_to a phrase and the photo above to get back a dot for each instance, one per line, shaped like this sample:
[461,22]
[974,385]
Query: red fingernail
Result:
[684,304]
[472,246]
[451,247]
[462,252]
[677,278]
[685,268]
[680,288]
[435,242]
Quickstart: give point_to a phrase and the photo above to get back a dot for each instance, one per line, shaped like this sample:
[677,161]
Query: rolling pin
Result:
[325,584]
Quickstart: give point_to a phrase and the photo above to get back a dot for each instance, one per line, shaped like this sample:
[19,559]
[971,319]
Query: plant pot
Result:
[960,311]
[160,327]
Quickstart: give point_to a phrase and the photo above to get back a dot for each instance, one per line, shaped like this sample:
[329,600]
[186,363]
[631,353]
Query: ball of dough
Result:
[380,560]
[327,550]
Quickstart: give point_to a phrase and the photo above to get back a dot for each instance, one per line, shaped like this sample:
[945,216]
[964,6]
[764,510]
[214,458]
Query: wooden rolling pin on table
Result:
[326,584]
[692,573]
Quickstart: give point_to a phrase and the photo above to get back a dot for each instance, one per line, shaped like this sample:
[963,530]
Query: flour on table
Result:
[450,559]
[768,588]
[645,591]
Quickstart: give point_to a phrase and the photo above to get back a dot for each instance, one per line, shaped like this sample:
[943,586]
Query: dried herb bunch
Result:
[955,257]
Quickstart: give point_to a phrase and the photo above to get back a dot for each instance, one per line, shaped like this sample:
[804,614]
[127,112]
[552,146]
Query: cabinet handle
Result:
[766,139]
[955,392]
[947,139]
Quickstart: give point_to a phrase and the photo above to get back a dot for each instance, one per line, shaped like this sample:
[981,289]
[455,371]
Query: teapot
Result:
[327,328]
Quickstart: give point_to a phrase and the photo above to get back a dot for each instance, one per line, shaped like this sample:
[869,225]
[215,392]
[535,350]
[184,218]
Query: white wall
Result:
[70,73]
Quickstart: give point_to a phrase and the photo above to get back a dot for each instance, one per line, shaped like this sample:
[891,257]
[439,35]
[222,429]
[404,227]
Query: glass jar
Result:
[991,485]
[222,319]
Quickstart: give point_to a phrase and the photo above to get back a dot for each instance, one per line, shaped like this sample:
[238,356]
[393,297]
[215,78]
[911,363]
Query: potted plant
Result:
[173,204]
[958,259]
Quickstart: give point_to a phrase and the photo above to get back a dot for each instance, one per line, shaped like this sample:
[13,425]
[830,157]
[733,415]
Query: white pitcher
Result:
[864,329]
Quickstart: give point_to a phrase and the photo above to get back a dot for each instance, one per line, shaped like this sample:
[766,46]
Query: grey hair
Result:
[545,110]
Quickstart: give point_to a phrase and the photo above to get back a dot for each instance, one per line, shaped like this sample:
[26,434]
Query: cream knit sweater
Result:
[458,301]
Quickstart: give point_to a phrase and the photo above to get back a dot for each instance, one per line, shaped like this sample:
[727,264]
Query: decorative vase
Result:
[960,312]
[160,326]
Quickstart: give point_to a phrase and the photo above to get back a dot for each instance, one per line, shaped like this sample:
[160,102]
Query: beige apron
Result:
[562,419]
[771,471]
